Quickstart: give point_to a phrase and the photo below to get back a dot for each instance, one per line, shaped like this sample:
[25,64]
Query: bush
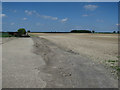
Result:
[93,31]
[21,31]
[114,31]
[118,32]
[81,31]
[28,31]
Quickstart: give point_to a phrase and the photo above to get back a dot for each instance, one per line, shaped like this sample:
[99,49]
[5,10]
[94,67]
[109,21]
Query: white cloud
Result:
[12,23]
[28,12]
[33,12]
[64,20]
[24,18]
[100,20]
[90,7]
[3,15]
[15,11]
[54,18]
[84,15]
[118,24]
[48,17]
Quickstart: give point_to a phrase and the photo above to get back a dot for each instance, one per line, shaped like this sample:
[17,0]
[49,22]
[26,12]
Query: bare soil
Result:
[68,69]
[58,61]
[98,47]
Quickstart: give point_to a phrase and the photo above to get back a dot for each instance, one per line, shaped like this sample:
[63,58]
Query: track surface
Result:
[19,63]
[38,63]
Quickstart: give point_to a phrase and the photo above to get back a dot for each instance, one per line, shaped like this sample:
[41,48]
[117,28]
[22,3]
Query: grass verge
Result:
[113,64]
[5,35]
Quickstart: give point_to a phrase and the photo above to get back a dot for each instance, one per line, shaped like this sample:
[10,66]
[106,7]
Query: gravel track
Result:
[68,69]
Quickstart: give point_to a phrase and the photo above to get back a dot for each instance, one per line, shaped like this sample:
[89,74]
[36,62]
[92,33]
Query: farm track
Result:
[5,40]
[19,65]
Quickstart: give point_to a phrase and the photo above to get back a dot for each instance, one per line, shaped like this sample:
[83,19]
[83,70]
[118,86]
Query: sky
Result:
[0,16]
[60,16]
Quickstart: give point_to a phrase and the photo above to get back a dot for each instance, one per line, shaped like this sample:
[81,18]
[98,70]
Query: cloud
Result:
[14,11]
[54,18]
[33,12]
[24,18]
[28,12]
[85,15]
[90,7]
[3,15]
[100,20]
[118,24]
[64,20]
[48,17]
[12,23]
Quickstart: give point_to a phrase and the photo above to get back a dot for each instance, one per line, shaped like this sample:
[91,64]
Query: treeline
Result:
[82,31]
[88,31]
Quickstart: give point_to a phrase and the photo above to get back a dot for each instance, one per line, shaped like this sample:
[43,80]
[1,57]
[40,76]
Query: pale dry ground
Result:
[0,40]
[19,63]
[6,39]
[0,63]
[98,47]
[39,62]
[68,69]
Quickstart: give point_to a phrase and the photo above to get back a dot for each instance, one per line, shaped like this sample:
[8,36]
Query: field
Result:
[61,60]
[98,47]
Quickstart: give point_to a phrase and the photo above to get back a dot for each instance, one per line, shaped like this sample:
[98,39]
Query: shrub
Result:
[28,31]
[93,31]
[114,31]
[118,32]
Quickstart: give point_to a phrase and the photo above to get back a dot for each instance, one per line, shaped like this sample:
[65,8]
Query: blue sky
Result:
[60,16]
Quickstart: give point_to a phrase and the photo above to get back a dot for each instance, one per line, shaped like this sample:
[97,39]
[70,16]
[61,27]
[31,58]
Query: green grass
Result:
[112,61]
[118,57]
[117,68]
[114,65]
[5,35]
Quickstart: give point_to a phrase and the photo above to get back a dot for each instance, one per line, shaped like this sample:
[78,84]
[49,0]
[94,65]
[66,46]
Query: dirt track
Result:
[0,63]
[66,68]
[19,63]
[49,64]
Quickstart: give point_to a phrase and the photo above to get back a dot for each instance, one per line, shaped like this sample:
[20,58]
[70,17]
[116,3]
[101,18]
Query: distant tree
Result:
[28,31]
[114,31]
[93,31]
[21,31]
[118,31]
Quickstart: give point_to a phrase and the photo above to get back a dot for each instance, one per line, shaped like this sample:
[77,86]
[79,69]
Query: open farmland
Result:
[98,47]
[51,60]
